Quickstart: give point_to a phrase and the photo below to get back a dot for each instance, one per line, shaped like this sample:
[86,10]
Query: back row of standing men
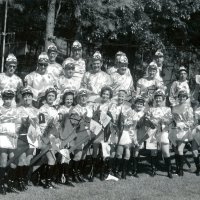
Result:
[50,84]
[72,75]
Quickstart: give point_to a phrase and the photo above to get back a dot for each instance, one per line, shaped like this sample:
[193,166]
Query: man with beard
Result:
[9,79]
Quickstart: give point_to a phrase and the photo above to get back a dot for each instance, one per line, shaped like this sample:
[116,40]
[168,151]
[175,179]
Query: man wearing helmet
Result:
[9,79]
[38,80]
[54,68]
[95,79]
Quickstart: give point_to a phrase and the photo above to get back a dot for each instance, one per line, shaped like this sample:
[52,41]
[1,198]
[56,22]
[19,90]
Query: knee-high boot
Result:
[93,169]
[124,168]
[75,172]
[2,180]
[11,180]
[48,178]
[26,175]
[177,161]
[196,161]
[40,175]
[181,165]
[20,178]
[110,163]
[135,167]
[81,170]
[153,165]
[117,167]
[102,169]
[169,166]
[65,172]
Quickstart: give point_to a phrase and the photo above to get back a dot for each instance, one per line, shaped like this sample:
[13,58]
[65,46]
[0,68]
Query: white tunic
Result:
[39,83]
[34,133]
[80,68]
[9,82]
[55,70]
[184,119]
[8,127]
[94,82]
[161,118]
[127,112]
[176,86]
[122,82]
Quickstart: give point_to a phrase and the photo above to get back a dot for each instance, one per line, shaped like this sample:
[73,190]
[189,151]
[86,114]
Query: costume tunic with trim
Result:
[55,70]
[8,127]
[161,118]
[69,83]
[65,110]
[33,134]
[146,88]
[9,82]
[195,131]
[127,112]
[113,69]
[94,82]
[122,82]
[50,112]
[39,83]
[175,87]
[80,68]
[135,133]
[82,110]
[103,107]
[184,120]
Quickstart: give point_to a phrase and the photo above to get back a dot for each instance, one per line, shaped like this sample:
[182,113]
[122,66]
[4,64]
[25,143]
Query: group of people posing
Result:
[56,118]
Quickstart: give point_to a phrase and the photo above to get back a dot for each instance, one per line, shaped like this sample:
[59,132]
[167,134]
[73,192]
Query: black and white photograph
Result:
[99,99]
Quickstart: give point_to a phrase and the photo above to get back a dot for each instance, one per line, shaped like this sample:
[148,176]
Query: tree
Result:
[50,22]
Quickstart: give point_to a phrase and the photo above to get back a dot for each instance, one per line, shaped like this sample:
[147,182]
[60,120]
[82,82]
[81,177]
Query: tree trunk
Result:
[50,24]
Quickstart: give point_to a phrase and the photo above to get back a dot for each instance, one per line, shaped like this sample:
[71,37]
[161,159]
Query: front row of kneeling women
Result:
[25,129]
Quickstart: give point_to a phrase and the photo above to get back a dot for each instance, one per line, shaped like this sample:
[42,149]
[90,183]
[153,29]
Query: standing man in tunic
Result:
[39,81]
[9,79]
[80,66]
[95,79]
[54,68]
[120,80]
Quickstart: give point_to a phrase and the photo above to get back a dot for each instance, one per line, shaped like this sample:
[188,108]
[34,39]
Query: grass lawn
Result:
[145,188]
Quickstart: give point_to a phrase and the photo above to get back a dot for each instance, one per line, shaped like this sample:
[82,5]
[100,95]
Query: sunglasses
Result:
[12,66]
[69,68]
[43,64]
